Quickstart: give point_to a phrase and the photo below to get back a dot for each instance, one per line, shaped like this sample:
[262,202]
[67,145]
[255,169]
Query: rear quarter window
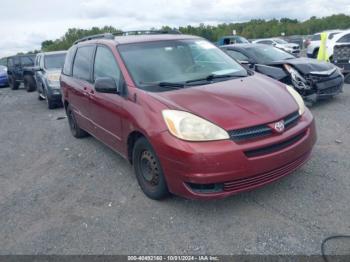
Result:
[67,68]
[83,63]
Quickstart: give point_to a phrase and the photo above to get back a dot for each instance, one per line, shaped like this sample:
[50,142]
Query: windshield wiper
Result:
[212,77]
[173,85]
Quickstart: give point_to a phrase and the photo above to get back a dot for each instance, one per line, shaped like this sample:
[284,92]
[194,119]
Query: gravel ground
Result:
[61,195]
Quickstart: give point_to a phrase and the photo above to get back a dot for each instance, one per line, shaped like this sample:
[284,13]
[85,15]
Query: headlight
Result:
[297,99]
[294,73]
[189,127]
[53,77]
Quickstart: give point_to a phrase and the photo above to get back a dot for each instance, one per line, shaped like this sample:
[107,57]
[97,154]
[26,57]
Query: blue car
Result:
[3,76]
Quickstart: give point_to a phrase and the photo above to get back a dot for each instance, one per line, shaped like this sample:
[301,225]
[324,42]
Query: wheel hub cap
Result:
[149,168]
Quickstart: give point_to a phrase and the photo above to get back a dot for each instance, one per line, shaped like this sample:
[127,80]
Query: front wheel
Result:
[148,170]
[29,83]
[13,83]
[50,104]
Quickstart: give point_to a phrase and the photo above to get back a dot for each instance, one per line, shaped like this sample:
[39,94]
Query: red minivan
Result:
[190,119]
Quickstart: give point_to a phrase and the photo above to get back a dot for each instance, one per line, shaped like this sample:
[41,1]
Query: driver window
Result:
[105,64]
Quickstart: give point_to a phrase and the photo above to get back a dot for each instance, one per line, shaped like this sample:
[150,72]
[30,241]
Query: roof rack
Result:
[147,32]
[90,37]
[126,33]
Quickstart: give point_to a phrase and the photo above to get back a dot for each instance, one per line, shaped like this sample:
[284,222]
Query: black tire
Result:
[315,53]
[148,170]
[29,83]
[13,83]
[50,104]
[74,127]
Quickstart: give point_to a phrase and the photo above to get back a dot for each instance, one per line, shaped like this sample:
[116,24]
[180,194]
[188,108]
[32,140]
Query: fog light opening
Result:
[206,188]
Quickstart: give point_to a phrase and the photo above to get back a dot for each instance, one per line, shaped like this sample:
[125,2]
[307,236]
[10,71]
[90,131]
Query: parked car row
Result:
[193,119]
[39,72]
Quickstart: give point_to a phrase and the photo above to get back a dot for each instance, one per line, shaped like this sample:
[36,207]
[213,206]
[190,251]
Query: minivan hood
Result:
[307,65]
[234,104]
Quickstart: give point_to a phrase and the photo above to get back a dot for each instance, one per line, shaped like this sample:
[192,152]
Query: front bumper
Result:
[326,87]
[209,170]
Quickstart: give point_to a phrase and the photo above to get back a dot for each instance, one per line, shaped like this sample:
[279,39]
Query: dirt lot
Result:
[61,195]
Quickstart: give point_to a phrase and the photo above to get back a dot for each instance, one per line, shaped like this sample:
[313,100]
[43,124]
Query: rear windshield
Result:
[176,61]
[54,61]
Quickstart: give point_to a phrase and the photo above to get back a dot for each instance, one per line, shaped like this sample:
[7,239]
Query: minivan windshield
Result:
[55,61]
[178,62]
[265,54]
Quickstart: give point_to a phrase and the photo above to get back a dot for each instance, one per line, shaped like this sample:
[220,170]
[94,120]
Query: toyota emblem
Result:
[279,126]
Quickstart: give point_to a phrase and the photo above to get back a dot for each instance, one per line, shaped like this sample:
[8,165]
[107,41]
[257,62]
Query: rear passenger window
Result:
[82,62]
[105,64]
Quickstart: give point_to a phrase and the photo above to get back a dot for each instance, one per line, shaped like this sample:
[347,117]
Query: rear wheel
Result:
[73,124]
[347,78]
[148,170]
[13,83]
[29,83]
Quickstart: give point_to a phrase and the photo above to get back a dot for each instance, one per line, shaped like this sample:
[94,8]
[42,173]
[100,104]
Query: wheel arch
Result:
[132,138]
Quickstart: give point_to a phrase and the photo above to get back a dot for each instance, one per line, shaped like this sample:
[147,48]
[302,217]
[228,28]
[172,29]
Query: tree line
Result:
[256,28]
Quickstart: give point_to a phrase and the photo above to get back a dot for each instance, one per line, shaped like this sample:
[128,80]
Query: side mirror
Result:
[247,63]
[106,85]
[244,62]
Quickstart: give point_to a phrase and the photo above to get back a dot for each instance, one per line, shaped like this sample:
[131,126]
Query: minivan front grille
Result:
[274,147]
[243,134]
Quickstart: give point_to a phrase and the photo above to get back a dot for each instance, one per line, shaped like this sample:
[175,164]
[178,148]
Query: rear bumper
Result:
[210,170]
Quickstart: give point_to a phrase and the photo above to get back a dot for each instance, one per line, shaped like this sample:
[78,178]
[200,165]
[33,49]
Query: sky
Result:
[24,24]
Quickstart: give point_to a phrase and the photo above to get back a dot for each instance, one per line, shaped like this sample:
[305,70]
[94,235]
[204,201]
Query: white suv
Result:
[339,39]
[315,42]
